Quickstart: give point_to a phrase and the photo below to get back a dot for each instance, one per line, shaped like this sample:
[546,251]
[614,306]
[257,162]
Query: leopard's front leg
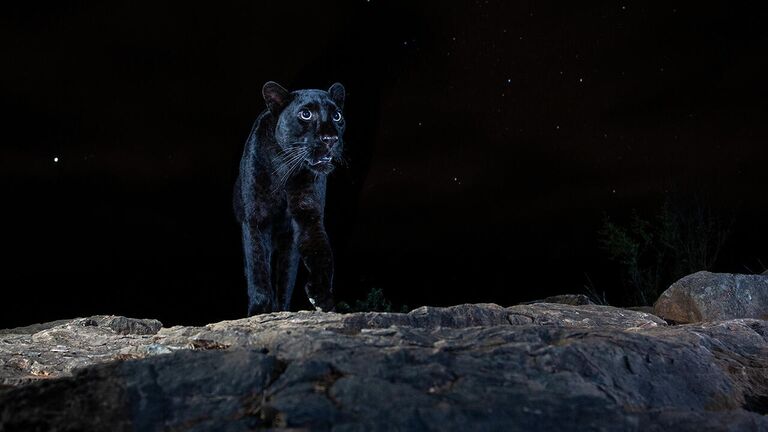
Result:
[315,250]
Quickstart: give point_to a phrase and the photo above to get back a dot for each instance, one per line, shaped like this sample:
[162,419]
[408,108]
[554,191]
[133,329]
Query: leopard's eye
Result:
[337,116]
[305,114]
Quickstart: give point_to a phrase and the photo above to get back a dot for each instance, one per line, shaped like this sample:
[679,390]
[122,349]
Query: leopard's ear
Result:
[337,93]
[275,96]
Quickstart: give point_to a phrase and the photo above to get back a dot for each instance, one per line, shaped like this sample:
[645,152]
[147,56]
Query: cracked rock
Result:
[529,367]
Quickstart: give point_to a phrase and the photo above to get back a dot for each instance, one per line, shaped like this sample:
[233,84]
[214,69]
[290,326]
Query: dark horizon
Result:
[486,141]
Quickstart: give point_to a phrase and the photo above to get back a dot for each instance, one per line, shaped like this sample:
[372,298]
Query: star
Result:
[55,159]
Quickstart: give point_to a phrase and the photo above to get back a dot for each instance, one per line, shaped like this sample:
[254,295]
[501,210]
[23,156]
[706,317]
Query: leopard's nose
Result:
[329,140]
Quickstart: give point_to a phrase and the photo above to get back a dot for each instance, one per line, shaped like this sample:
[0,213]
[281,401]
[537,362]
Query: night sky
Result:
[486,141]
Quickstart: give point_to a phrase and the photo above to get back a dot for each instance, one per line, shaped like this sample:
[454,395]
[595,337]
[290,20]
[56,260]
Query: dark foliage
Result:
[373,302]
[685,236]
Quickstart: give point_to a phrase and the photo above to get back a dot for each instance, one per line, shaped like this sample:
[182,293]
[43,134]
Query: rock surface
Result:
[706,296]
[468,367]
[569,299]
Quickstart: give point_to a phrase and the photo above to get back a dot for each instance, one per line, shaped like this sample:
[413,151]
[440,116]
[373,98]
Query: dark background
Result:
[487,139]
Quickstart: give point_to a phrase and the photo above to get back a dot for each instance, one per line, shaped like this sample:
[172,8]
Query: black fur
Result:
[280,195]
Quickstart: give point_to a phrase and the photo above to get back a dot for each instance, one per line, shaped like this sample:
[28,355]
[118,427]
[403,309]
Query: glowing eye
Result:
[305,114]
[337,116]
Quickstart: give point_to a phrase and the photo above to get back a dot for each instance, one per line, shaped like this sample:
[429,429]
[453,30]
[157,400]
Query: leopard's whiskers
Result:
[289,167]
[287,159]
[291,147]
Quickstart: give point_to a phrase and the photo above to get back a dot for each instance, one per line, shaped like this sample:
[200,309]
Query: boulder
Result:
[705,296]
[468,367]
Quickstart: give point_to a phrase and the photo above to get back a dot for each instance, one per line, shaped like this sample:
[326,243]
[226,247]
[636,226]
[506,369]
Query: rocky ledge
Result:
[469,367]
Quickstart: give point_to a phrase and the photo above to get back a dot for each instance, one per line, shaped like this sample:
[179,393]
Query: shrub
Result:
[373,302]
[684,237]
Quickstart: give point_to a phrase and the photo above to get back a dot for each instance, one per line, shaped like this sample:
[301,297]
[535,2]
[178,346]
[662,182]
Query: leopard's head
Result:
[309,128]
